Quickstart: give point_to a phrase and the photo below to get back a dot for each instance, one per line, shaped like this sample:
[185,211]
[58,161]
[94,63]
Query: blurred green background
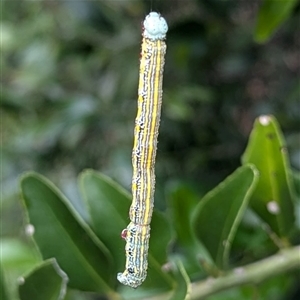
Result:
[69,88]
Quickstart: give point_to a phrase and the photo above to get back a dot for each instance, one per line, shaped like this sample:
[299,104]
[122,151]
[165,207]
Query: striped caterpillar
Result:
[137,233]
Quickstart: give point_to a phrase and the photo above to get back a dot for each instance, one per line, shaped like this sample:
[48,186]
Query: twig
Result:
[284,261]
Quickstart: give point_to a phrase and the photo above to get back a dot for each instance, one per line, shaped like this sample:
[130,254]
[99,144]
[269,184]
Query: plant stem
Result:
[284,261]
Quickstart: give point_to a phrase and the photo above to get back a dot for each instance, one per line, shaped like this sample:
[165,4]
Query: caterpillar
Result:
[137,233]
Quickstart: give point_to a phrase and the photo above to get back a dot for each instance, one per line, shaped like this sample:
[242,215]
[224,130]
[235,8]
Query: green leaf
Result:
[219,213]
[59,232]
[183,288]
[273,197]
[108,205]
[47,282]
[16,258]
[271,15]
[182,201]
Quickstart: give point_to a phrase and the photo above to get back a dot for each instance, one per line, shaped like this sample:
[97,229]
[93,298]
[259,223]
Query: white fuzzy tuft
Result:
[155,27]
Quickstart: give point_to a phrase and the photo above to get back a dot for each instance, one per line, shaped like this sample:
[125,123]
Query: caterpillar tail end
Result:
[130,279]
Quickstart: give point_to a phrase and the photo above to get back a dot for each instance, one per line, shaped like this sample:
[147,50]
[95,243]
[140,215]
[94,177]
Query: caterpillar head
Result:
[155,27]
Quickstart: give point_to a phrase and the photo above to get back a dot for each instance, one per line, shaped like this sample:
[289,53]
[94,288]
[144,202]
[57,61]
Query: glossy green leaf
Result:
[183,288]
[108,204]
[271,15]
[60,233]
[47,282]
[273,197]
[219,213]
[181,204]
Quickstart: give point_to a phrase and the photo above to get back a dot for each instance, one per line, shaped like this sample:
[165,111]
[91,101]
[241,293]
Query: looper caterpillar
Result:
[147,121]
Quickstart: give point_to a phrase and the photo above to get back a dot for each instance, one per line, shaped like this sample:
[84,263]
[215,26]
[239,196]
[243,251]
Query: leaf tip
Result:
[87,172]
[26,175]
